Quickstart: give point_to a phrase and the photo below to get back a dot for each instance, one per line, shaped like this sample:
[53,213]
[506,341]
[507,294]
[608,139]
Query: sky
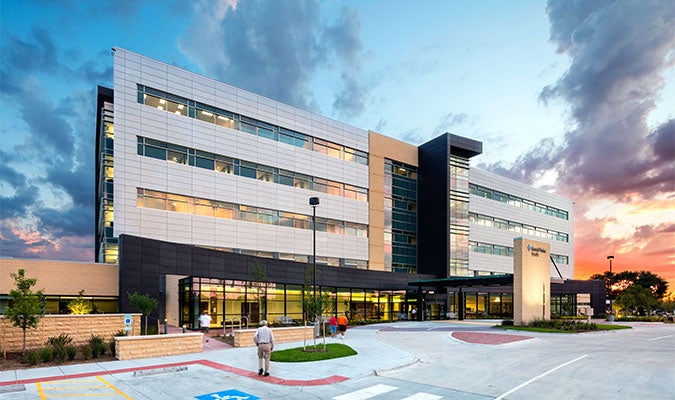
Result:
[575,97]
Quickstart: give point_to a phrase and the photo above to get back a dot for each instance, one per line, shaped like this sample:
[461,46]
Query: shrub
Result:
[86,352]
[32,357]
[59,345]
[71,351]
[46,354]
[98,346]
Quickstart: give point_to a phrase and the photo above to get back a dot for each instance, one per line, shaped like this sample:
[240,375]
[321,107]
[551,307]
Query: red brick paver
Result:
[212,364]
[488,338]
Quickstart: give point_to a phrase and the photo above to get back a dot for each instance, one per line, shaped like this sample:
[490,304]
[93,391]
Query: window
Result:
[155,152]
[293,138]
[203,207]
[248,170]
[247,213]
[224,165]
[179,158]
[265,174]
[204,115]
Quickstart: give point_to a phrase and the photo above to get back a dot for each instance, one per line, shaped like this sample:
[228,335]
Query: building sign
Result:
[231,394]
[535,251]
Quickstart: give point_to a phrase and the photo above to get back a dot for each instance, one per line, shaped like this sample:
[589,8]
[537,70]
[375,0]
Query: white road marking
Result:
[423,396]
[659,338]
[366,393]
[539,376]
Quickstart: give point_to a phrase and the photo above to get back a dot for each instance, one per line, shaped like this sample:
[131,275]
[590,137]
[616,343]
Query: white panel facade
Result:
[133,171]
[502,237]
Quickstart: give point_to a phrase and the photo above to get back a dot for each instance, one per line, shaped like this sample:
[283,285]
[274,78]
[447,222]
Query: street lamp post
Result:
[314,202]
[611,310]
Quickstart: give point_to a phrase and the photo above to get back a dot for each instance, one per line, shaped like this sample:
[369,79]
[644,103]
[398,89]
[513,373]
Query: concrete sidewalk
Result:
[373,355]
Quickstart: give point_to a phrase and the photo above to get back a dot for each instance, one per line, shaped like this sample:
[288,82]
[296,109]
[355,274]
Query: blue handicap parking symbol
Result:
[231,394]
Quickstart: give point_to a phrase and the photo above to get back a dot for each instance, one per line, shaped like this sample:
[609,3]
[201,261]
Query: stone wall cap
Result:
[154,337]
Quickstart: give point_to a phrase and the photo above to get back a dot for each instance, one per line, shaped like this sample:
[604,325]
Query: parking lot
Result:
[405,360]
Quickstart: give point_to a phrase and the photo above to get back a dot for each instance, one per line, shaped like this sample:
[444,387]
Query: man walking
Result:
[264,339]
[204,324]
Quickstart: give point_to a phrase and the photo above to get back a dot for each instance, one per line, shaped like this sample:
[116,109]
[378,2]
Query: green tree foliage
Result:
[637,300]
[258,285]
[316,306]
[617,283]
[26,308]
[79,305]
[144,304]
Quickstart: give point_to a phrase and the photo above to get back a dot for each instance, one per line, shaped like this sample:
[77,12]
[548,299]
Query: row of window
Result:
[517,227]
[517,201]
[227,165]
[190,108]
[488,248]
[220,209]
[400,217]
[301,258]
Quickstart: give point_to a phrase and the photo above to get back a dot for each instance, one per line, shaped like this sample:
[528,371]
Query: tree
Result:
[616,283]
[144,304]
[26,308]
[259,285]
[79,305]
[637,300]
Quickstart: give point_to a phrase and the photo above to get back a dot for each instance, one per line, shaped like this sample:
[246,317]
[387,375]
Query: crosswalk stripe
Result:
[366,393]
[423,396]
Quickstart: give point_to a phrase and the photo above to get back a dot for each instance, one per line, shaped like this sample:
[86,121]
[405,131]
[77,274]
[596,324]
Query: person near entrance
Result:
[333,325]
[204,324]
[264,339]
[342,325]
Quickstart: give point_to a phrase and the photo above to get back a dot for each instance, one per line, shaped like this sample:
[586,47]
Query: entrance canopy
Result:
[464,281]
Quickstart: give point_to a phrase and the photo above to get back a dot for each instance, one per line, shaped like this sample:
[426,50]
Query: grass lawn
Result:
[298,354]
[598,327]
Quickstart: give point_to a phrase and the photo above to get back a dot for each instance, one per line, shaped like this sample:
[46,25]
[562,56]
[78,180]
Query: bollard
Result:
[184,329]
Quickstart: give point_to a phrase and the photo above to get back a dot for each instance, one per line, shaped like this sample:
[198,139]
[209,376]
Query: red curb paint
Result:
[488,338]
[211,364]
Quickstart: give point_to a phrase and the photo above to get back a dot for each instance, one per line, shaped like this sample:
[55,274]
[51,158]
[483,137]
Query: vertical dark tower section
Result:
[443,201]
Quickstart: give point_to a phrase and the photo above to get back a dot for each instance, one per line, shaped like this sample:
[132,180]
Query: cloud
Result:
[275,48]
[619,51]
[47,167]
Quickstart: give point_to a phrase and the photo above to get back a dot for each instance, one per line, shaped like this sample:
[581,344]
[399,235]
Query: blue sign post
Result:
[127,322]
[231,394]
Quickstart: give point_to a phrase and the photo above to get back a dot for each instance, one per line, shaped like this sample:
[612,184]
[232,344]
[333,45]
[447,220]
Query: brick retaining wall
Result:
[132,347]
[78,327]
[244,337]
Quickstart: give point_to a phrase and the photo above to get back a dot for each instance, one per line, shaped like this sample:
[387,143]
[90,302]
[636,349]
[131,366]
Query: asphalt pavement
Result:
[411,360]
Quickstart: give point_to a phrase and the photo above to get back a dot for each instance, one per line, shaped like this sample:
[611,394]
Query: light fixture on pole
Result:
[314,202]
[611,310]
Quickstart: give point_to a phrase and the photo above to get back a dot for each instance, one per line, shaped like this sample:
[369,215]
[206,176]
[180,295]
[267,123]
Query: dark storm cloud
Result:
[47,177]
[618,52]
[15,193]
[274,48]
[38,55]
[663,141]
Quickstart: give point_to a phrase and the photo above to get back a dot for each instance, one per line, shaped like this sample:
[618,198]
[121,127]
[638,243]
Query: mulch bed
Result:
[15,361]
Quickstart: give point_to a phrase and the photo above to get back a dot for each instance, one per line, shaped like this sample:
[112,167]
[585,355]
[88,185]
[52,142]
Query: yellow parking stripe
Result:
[49,390]
[114,388]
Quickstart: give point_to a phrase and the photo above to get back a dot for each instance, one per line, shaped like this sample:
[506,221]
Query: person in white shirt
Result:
[264,339]
[204,324]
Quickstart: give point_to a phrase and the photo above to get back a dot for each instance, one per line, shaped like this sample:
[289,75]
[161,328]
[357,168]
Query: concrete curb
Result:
[379,372]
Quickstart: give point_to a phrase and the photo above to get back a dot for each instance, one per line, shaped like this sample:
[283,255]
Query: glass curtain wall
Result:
[231,303]
[458,259]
